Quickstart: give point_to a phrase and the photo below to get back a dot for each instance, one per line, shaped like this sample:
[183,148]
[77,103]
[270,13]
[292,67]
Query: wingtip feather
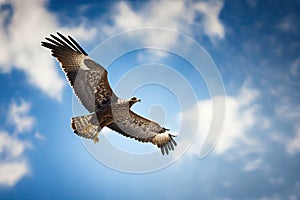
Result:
[167,147]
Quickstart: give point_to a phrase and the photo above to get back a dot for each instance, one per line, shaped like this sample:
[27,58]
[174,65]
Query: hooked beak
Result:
[139,100]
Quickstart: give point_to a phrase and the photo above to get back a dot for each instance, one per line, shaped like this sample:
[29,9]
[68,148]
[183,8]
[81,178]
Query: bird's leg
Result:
[102,124]
[96,139]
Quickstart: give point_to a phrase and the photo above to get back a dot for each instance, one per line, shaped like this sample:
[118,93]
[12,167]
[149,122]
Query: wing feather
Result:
[144,130]
[87,78]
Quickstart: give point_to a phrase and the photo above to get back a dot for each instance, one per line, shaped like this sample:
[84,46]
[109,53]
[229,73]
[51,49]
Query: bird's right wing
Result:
[144,130]
[87,78]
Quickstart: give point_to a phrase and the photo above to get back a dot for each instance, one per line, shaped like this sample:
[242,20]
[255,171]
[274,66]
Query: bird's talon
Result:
[96,140]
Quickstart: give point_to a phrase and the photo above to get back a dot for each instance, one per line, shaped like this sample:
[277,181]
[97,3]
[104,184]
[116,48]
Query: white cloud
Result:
[20,37]
[39,136]
[253,164]
[13,164]
[293,145]
[18,116]
[211,11]
[240,117]
[287,111]
[177,15]
[266,124]
[163,14]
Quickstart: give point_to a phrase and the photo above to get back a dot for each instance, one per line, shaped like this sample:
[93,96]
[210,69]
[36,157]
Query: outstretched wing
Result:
[87,78]
[144,130]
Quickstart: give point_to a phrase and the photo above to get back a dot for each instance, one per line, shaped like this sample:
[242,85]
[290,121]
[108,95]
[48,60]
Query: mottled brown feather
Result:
[90,86]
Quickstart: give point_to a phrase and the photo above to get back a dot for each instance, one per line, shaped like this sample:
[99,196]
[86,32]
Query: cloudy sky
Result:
[255,46]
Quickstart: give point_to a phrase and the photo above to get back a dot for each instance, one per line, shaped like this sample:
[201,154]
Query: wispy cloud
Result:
[253,164]
[18,116]
[177,15]
[287,114]
[13,162]
[213,27]
[293,145]
[242,115]
[39,136]
[23,25]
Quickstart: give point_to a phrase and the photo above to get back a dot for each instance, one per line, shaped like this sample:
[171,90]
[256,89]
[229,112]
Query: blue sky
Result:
[255,46]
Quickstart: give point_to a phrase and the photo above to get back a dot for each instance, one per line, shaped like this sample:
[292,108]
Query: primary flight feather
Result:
[89,82]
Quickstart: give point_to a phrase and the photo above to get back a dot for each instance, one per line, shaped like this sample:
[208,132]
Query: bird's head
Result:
[133,100]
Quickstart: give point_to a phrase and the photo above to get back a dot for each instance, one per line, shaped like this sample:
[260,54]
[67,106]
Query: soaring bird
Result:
[89,82]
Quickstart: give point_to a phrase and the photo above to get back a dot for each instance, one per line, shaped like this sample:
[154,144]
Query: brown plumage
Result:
[90,84]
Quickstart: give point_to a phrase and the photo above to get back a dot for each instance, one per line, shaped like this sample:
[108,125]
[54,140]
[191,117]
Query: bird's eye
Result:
[133,98]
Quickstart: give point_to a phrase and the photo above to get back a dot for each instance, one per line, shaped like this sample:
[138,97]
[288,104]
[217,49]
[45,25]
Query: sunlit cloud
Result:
[18,116]
[23,25]
[293,145]
[212,25]
[241,117]
[13,162]
[181,16]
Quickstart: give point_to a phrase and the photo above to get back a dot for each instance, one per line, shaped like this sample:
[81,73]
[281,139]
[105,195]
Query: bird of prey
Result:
[89,82]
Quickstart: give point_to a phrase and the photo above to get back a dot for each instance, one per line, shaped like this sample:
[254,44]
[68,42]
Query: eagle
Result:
[89,82]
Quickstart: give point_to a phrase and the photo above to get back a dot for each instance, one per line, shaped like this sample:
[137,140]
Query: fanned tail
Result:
[86,126]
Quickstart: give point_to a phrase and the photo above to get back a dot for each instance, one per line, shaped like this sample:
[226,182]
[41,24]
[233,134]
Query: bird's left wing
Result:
[87,78]
[143,130]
